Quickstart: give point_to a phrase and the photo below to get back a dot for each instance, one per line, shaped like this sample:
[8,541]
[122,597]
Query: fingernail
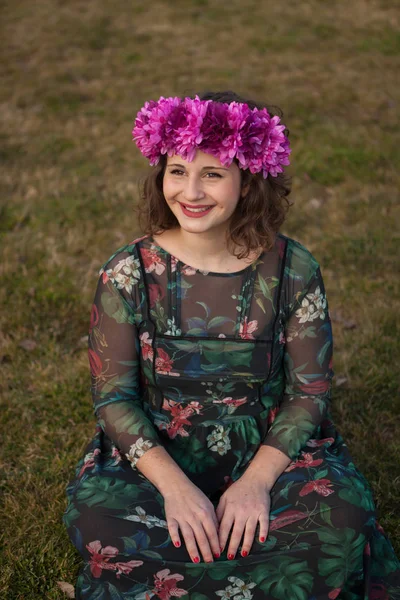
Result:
[216,554]
[177,544]
[221,548]
[196,559]
[262,539]
[231,556]
[244,553]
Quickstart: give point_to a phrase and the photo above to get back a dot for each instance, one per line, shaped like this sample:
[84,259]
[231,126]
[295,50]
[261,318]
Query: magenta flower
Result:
[189,136]
[226,131]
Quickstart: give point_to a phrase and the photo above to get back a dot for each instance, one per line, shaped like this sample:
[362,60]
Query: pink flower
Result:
[152,261]
[163,362]
[319,485]
[229,401]
[287,518]
[247,329]
[146,346]
[315,387]
[317,443]
[116,454]
[127,567]
[272,415]
[101,556]
[181,414]
[306,461]
[89,461]
[94,317]
[95,363]
[165,585]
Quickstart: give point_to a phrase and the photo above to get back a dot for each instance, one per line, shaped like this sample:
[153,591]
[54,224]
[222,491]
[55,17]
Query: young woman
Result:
[215,470]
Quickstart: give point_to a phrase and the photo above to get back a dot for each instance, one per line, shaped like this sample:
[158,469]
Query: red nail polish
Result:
[244,553]
[262,539]
[221,548]
[216,554]
[177,544]
[196,559]
[231,556]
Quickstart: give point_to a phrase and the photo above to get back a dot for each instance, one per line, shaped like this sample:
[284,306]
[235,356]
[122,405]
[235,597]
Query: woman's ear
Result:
[245,190]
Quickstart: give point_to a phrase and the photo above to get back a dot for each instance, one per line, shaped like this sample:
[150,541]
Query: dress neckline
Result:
[203,271]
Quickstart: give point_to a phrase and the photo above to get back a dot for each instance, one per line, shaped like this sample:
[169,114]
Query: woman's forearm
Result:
[163,472]
[268,463]
[161,469]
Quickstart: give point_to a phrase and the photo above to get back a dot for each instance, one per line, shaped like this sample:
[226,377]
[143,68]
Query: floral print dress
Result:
[211,366]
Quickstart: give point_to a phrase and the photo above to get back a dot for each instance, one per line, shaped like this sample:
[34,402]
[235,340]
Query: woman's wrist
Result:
[267,465]
[160,468]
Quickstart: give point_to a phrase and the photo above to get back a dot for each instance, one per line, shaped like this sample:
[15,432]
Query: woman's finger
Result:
[173,528]
[211,527]
[190,542]
[202,542]
[264,527]
[225,528]
[236,537]
[249,532]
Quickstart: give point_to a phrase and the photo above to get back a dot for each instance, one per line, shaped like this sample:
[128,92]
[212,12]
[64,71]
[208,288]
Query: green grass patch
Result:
[386,42]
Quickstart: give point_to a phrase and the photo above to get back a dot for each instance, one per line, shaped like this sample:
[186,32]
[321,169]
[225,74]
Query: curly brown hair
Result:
[257,216]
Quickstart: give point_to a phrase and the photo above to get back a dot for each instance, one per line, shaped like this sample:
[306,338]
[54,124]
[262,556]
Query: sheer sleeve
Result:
[114,362]
[307,367]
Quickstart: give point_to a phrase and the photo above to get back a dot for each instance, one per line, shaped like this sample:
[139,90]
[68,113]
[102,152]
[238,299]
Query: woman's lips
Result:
[190,213]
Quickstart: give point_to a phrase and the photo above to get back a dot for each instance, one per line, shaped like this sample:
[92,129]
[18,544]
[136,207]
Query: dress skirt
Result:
[324,539]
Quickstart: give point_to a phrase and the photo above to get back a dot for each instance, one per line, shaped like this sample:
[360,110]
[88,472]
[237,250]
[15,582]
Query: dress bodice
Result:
[170,343]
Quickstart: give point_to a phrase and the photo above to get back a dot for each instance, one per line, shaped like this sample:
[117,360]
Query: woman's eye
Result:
[179,172]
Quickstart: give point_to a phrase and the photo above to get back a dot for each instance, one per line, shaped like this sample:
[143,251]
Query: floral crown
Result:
[227,131]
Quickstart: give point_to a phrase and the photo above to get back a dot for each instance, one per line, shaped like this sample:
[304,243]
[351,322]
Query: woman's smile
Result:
[195,212]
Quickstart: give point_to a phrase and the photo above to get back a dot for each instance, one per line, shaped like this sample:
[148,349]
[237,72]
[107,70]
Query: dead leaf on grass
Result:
[338,318]
[28,345]
[67,588]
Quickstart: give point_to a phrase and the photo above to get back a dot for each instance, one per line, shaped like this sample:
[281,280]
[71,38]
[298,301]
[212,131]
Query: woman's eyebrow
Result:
[210,167]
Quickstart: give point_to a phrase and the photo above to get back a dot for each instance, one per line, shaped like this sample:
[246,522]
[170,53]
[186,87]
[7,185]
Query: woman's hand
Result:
[245,503]
[188,509]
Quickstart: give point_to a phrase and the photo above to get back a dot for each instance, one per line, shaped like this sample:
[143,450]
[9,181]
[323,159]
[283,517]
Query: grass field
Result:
[73,76]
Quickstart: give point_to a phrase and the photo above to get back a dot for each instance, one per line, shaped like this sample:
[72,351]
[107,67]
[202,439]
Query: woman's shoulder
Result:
[299,258]
[128,254]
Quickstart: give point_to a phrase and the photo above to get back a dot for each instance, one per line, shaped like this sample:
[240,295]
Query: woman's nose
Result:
[193,189]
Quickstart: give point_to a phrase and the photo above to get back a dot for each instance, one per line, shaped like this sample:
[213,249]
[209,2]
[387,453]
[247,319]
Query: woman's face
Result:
[204,182]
